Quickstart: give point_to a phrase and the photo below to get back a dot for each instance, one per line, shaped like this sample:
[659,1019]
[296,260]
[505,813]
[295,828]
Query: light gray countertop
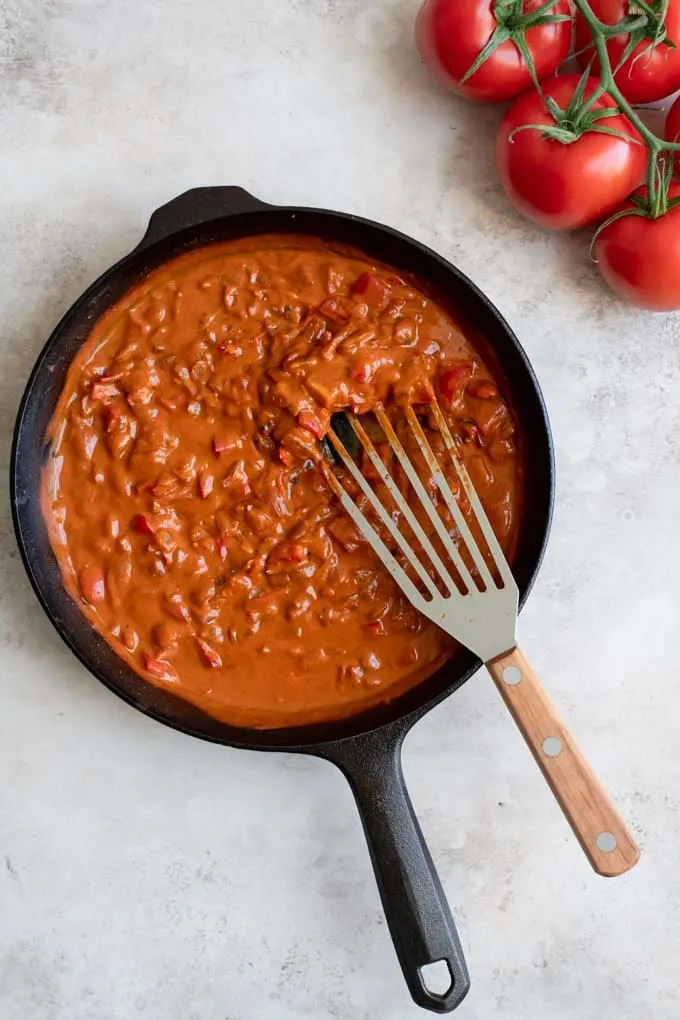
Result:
[143,873]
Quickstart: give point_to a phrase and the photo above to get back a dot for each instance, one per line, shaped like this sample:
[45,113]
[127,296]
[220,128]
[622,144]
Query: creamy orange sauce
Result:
[185,496]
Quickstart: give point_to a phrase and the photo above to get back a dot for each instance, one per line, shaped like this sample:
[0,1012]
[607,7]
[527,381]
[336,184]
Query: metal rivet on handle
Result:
[512,675]
[606,842]
[552,746]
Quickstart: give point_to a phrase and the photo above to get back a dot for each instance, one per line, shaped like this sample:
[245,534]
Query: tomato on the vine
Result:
[651,68]
[451,35]
[564,168]
[672,131]
[639,256]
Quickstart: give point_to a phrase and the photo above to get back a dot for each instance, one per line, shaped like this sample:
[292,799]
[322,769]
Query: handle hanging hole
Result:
[436,978]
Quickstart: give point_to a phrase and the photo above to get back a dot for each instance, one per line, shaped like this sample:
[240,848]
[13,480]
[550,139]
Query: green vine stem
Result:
[600,33]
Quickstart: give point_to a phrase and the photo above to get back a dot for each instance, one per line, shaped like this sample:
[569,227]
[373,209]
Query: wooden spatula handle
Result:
[599,828]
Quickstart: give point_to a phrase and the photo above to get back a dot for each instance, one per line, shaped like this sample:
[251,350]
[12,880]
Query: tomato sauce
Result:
[184,492]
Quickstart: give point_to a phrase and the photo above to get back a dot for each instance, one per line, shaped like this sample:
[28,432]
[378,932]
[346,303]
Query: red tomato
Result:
[450,35]
[640,258]
[452,382]
[649,73]
[672,131]
[564,186]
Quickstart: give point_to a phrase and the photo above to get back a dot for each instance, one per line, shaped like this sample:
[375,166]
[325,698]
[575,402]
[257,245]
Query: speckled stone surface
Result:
[145,874]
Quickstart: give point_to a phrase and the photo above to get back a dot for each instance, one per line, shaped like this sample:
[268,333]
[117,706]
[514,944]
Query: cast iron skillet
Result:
[366,747]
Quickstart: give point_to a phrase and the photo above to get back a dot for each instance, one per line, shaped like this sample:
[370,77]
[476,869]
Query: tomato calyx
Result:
[512,24]
[646,20]
[578,117]
[649,204]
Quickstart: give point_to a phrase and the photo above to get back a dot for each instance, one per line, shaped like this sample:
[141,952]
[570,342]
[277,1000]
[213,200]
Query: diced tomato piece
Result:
[358,402]
[300,442]
[410,656]
[104,391]
[176,607]
[285,456]
[363,372]
[290,552]
[491,416]
[167,486]
[222,548]
[226,442]
[336,310]
[376,627]
[350,672]
[500,449]
[360,285]
[469,431]
[147,486]
[209,656]
[236,481]
[452,381]
[142,524]
[482,389]
[345,532]
[313,329]
[312,423]
[140,397]
[373,289]
[158,668]
[206,482]
[112,413]
[92,585]
[423,393]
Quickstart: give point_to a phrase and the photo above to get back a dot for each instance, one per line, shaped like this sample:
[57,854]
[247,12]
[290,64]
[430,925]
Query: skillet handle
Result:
[415,906]
[197,206]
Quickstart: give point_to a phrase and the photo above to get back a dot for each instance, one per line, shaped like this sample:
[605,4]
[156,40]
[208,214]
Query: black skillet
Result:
[366,747]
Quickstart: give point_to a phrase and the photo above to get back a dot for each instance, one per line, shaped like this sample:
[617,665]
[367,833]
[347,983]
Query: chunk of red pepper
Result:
[310,421]
[142,524]
[208,654]
[290,552]
[453,380]
[206,482]
[158,668]
[372,289]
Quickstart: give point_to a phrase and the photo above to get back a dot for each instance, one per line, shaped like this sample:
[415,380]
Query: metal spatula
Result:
[479,609]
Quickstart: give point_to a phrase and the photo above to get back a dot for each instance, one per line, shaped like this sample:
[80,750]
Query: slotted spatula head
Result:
[469,591]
